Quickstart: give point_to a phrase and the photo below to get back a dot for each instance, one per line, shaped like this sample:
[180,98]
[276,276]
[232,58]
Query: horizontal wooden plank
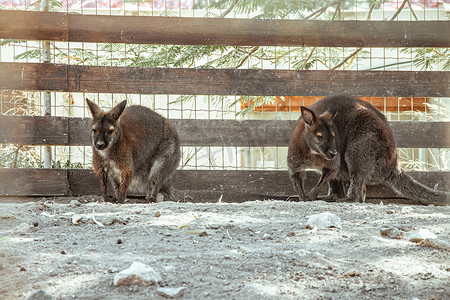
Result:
[33,182]
[233,185]
[28,25]
[234,132]
[421,134]
[190,81]
[34,130]
[239,133]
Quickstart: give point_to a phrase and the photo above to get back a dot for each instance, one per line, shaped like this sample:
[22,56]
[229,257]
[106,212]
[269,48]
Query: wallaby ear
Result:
[308,116]
[118,109]
[95,110]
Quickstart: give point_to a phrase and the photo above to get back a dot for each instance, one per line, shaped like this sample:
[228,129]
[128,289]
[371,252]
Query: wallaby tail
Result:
[408,187]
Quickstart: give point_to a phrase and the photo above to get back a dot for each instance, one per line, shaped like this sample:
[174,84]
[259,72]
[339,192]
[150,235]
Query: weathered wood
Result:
[83,182]
[421,134]
[258,184]
[33,182]
[28,25]
[34,130]
[80,131]
[97,79]
[39,77]
[232,133]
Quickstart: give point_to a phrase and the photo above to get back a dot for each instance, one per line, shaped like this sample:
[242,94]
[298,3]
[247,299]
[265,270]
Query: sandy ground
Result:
[252,250]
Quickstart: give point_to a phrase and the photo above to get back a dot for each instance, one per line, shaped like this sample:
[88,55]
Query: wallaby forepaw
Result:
[330,198]
[152,199]
[311,197]
[293,199]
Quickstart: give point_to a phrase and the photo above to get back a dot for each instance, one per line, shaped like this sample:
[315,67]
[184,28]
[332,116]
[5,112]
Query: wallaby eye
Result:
[94,131]
[319,137]
[110,132]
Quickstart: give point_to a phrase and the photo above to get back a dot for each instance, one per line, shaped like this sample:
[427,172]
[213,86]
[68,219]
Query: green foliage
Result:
[266,9]
[427,58]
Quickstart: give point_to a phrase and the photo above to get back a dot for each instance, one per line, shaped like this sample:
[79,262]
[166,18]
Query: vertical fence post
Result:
[47,104]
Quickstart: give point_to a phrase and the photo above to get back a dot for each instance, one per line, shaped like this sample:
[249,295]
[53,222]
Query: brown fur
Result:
[312,146]
[134,148]
[366,149]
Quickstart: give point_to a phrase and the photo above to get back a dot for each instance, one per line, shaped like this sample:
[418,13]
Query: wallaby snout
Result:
[100,145]
[331,154]
[136,149]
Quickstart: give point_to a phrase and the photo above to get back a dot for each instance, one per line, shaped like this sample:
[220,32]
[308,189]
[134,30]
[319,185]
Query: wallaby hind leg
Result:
[357,189]
[159,178]
[324,178]
[336,190]
[166,191]
[298,180]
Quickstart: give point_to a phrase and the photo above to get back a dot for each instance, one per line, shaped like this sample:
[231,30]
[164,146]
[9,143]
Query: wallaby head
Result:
[105,125]
[320,134]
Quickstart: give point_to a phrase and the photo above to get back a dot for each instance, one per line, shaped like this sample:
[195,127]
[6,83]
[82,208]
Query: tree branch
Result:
[247,57]
[368,17]
[321,10]
[229,9]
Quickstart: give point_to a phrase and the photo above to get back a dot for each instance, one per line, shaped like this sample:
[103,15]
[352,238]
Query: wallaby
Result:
[313,146]
[367,150]
[136,148]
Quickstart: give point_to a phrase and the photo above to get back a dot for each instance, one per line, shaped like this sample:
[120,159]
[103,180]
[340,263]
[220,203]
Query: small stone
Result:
[435,243]
[40,295]
[419,235]
[119,241]
[137,274]
[352,273]
[158,214]
[63,252]
[110,220]
[168,292]
[392,233]
[407,210]
[23,229]
[291,234]
[22,269]
[74,203]
[35,224]
[426,276]
[323,220]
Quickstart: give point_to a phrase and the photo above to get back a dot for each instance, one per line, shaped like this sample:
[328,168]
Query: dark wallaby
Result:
[367,150]
[313,146]
[136,148]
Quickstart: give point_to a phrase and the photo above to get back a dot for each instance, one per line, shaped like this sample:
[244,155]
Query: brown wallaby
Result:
[366,148]
[312,146]
[136,148]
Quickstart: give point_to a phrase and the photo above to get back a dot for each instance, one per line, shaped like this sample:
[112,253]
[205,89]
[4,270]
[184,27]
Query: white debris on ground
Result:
[253,250]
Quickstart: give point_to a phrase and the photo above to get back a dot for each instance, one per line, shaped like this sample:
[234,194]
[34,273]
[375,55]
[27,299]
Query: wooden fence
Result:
[234,185]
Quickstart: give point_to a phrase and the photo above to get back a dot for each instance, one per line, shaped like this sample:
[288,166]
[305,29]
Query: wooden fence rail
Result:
[203,185]
[234,185]
[240,133]
[96,79]
[28,25]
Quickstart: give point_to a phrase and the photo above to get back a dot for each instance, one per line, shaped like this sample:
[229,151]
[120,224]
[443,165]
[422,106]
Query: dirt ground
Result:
[252,250]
